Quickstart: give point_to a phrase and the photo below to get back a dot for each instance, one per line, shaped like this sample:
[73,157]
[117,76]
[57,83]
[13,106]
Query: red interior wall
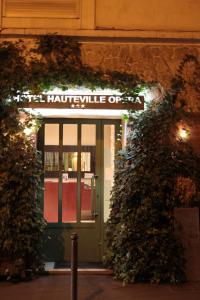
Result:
[69,196]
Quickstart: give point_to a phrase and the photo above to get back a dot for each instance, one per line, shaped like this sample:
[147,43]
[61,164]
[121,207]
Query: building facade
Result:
[147,38]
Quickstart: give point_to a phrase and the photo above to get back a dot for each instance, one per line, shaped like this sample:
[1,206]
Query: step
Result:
[51,269]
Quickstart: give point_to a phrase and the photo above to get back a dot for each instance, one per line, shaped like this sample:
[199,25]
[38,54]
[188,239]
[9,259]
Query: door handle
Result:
[94,214]
[93,196]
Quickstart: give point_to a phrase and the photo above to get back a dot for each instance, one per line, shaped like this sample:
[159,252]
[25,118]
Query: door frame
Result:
[99,224]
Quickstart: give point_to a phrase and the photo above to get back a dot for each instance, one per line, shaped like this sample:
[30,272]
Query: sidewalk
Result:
[97,287]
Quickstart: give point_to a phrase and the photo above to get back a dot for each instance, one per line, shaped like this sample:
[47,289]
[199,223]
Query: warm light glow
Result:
[154,94]
[77,113]
[183,132]
[29,131]
[80,111]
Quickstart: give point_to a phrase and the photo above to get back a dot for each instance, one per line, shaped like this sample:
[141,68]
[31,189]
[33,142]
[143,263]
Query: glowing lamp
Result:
[183,133]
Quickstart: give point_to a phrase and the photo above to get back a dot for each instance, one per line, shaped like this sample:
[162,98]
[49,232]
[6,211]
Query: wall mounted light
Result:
[183,132]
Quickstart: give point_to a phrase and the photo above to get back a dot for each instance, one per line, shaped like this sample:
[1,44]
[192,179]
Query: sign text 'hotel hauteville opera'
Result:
[80,101]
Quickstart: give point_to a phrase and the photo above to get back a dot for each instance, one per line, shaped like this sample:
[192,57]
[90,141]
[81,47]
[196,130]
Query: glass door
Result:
[74,160]
[78,173]
[78,176]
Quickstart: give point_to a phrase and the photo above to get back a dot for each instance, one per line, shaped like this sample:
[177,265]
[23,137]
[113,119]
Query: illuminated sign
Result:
[80,101]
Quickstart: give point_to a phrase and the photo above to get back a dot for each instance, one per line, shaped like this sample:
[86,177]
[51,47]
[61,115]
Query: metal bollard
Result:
[74,266]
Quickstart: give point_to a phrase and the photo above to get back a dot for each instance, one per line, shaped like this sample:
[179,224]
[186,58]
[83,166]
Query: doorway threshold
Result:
[89,268]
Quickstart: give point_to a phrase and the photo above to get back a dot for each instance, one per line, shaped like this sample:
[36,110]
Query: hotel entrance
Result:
[78,156]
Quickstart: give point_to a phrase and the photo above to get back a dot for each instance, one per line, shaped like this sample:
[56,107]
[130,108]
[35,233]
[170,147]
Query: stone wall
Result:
[150,61]
[153,62]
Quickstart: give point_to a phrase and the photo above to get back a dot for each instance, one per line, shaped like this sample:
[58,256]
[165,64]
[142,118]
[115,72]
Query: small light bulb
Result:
[183,133]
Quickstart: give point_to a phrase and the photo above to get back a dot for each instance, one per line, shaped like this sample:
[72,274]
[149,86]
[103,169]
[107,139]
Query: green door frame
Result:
[63,230]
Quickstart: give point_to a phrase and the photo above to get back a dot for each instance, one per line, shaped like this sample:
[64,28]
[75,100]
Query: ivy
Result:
[22,223]
[141,242]
[54,61]
[13,70]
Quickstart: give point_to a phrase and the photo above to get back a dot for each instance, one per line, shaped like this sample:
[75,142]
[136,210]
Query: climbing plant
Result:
[53,61]
[141,241]
[21,219]
[142,245]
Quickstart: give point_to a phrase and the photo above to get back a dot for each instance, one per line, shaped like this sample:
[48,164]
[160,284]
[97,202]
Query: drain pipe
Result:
[74,266]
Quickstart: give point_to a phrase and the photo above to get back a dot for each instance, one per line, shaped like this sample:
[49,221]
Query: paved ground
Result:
[97,287]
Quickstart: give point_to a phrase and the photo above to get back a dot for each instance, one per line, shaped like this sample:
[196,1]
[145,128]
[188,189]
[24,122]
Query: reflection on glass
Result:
[109,153]
[51,161]
[85,161]
[69,196]
[88,188]
[51,199]
[88,198]
[51,164]
[70,161]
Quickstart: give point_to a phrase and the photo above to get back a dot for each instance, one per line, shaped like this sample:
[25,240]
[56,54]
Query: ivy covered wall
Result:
[56,61]
[156,62]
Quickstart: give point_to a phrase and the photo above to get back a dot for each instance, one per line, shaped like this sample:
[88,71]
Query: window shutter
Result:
[42,8]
